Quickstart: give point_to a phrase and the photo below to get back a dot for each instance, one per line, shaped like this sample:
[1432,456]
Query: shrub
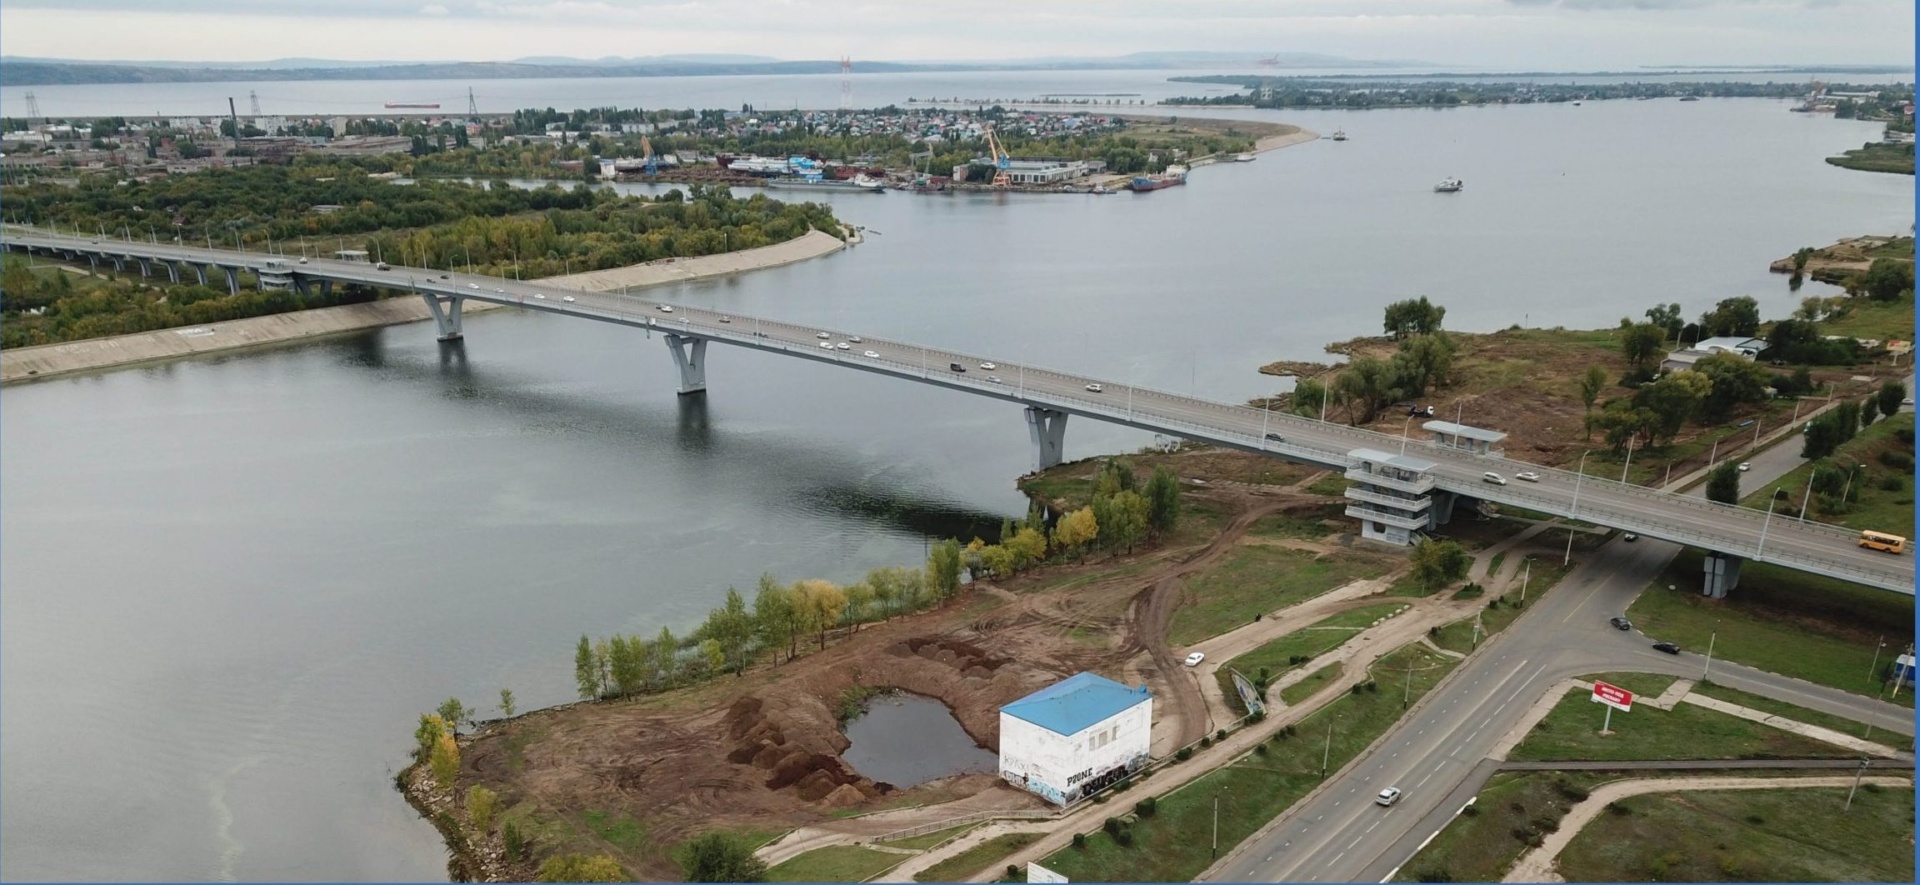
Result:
[1896,460]
[1571,791]
[1470,811]
[1112,826]
[1080,841]
[1619,809]
[1013,873]
[1206,741]
[1220,735]
[1146,807]
[1434,875]
[1755,819]
[1517,806]
[1373,686]
[1184,754]
[515,843]
[1357,688]
[1871,787]
[1260,750]
[1892,483]
[1124,838]
[1545,824]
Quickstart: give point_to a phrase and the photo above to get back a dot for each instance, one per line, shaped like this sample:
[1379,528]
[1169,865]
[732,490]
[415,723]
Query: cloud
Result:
[433,9]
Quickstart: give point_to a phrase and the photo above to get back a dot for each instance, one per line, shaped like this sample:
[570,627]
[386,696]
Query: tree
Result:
[1368,384]
[773,615]
[1641,343]
[481,805]
[453,713]
[1115,476]
[1869,410]
[1127,519]
[1670,401]
[1735,380]
[1821,438]
[1163,501]
[819,604]
[586,676]
[1309,398]
[581,868]
[1889,279]
[1077,529]
[506,702]
[1739,315]
[712,655]
[1891,395]
[1439,563]
[432,727]
[1590,386]
[1413,316]
[1846,419]
[1794,340]
[1723,484]
[731,626]
[1422,361]
[720,857]
[445,761]
[886,590]
[1667,317]
[664,663]
[859,602]
[943,569]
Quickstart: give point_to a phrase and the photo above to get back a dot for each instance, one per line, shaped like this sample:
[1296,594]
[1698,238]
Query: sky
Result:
[1559,35]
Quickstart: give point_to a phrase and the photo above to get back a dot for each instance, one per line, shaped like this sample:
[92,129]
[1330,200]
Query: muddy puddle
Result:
[906,740]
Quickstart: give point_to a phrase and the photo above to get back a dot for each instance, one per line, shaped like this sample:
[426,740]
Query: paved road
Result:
[1777,460]
[1651,513]
[1437,755]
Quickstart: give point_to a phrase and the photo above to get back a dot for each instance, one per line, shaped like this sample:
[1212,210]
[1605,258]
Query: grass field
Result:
[1307,687]
[1175,844]
[1481,844]
[1333,485]
[1880,497]
[1786,835]
[1877,157]
[1874,319]
[835,863]
[1459,635]
[1305,528]
[1786,622]
[1572,732]
[970,862]
[1259,579]
[1323,636]
[1797,714]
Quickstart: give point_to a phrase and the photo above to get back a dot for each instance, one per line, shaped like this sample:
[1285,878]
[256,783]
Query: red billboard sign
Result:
[1613,696]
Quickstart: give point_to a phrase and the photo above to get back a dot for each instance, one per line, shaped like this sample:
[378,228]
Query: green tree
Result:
[1422,361]
[432,727]
[453,713]
[1670,401]
[1821,438]
[506,702]
[1723,484]
[482,803]
[1163,502]
[1641,342]
[718,856]
[1028,546]
[1846,419]
[773,615]
[943,569]
[581,868]
[1889,279]
[1115,476]
[1735,380]
[1127,520]
[827,604]
[1439,563]
[712,655]
[1367,385]
[444,760]
[1891,396]
[665,660]
[1869,410]
[859,604]
[586,676]
[731,626]
[1739,316]
[1414,316]
[1590,386]
[1309,398]
[1667,317]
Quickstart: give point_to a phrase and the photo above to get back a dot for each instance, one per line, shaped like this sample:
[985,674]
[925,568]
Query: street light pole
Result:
[1407,697]
[1709,667]
[1808,494]
[1403,432]
[1876,657]
[1629,465]
[1582,475]
[1326,754]
[1762,546]
[1524,577]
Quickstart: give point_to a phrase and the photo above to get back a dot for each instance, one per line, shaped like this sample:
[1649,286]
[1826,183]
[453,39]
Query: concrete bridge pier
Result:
[1442,506]
[1721,574]
[199,271]
[173,271]
[146,269]
[119,264]
[233,280]
[692,366]
[1048,428]
[446,314]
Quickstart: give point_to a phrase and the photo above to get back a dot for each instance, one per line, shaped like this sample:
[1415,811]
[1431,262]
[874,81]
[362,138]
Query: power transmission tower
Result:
[254,97]
[473,110]
[846,83]
[33,106]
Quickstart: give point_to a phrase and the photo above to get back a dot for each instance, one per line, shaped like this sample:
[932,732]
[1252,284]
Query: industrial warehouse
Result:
[1076,737]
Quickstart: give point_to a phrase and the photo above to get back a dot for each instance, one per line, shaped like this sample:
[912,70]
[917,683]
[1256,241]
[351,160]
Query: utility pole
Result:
[1407,697]
[1709,667]
[1871,668]
[1856,784]
[1524,577]
[1327,754]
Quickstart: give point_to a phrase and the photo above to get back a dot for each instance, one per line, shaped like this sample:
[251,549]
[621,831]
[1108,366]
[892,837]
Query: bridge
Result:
[1420,491]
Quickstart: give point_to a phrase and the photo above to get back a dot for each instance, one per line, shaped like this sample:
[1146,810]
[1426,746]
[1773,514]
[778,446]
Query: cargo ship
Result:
[1175,174]
[859,183]
[428,105]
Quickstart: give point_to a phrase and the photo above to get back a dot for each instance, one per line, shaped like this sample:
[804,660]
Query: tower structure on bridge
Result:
[846,83]
[1391,495]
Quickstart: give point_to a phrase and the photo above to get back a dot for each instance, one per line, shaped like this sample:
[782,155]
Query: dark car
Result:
[1667,647]
[1276,437]
[1620,623]
[957,367]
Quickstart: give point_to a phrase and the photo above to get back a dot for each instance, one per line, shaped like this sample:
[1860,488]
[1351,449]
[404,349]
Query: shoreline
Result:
[43,361]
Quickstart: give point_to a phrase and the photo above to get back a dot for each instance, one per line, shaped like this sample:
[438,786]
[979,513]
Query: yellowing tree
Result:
[445,761]
[1027,545]
[1076,530]
[827,602]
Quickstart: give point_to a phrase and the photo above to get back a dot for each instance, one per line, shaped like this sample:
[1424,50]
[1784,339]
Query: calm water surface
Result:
[232,584]
[906,740]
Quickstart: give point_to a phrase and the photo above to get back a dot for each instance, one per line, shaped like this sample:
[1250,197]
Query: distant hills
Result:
[29,71]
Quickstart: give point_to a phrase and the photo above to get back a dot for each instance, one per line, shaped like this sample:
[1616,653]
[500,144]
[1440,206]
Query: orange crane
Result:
[1001,162]
[646,150]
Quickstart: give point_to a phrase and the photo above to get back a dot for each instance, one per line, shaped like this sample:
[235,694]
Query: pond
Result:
[906,740]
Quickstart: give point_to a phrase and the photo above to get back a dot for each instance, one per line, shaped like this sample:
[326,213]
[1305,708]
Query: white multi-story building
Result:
[1076,737]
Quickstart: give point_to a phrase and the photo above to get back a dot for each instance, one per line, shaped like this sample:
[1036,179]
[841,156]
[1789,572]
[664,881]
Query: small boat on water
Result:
[1339,135]
[1448,186]
[1101,190]
[1243,158]
[859,183]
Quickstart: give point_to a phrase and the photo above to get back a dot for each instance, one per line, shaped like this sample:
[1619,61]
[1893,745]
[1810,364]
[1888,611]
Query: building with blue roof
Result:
[1076,737]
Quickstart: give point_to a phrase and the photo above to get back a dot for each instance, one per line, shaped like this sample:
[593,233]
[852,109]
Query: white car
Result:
[827,344]
[1527,476]
[1193,660]
[844,346]
[994,379]
[726,319]
[1387,796]
[567,298]
[473,285]
[539,296]
[854,338]
[871,355]
[822,335]
[1746,466]
[988,366]
[1094,388]
[303,261]
[666,308]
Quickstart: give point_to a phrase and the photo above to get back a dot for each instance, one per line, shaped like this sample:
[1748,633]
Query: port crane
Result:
[1001,162]
[646,150]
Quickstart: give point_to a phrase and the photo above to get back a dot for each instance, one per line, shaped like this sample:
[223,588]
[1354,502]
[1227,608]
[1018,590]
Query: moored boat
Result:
[1448,186]
[1339,135]
[1175,174]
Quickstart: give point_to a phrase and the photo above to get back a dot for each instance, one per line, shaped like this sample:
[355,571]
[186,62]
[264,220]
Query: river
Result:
[232,584]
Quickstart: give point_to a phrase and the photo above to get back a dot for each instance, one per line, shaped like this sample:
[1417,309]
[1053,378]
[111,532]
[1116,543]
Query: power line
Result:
[33,106]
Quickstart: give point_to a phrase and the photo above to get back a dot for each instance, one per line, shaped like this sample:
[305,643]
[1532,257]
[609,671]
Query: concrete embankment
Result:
[54,360]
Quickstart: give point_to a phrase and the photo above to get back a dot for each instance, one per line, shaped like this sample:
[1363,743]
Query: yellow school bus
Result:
[1883,541]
